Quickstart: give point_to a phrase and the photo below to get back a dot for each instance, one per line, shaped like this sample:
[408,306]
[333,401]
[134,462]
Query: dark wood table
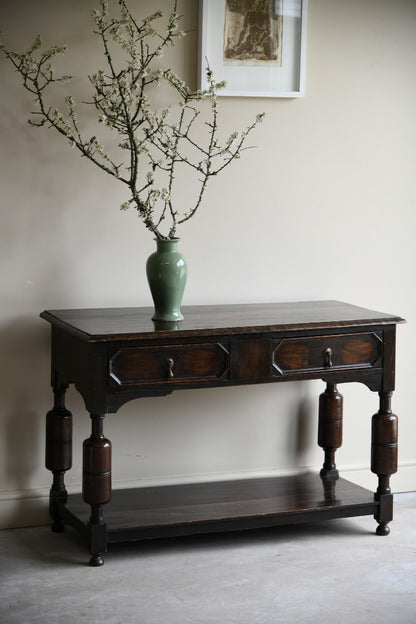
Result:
[116,355]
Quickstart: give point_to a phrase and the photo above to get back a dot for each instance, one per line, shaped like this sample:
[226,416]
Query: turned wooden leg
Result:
[58,454]
[96,486]
[330,428]
[384,459]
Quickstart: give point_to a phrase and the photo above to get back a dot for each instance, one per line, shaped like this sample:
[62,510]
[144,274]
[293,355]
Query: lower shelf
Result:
[167,511]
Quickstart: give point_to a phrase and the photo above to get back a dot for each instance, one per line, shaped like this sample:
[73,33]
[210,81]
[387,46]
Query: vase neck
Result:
[167,244]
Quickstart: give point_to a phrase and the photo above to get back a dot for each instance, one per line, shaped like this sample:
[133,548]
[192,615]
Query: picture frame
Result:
[258,51]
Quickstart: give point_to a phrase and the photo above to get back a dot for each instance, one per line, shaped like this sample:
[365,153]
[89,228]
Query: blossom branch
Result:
[157,142]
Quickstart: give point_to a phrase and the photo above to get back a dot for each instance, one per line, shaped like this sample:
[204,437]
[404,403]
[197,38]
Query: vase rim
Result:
[167,240]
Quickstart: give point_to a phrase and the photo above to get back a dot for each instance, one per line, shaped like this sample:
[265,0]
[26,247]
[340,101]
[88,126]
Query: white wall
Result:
[322,209]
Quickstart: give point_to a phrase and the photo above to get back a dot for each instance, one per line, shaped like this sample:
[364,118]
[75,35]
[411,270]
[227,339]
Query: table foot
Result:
[96,561]
[97,537]
[383,529]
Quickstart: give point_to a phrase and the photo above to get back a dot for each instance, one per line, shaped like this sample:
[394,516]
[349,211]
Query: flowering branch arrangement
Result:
[160,143]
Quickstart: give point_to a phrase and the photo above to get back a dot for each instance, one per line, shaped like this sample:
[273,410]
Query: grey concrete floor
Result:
[335,571]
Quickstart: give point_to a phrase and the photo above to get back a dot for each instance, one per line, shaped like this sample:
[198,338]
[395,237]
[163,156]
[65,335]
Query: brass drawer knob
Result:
[170,362]
[328,357]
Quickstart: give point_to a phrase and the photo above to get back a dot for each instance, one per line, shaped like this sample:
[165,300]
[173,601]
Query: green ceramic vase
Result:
[166,273]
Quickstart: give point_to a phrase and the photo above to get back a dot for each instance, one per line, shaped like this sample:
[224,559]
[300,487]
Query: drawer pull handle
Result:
[328,357]
[170,364]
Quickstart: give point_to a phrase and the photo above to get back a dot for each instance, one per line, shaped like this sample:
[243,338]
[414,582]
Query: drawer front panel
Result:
[143,365]
[293,355]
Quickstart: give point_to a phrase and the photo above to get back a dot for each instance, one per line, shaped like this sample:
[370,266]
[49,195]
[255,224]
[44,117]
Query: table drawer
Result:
[294,355]
[168,364]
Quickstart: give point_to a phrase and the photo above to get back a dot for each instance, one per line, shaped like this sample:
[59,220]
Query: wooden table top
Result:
[111,323]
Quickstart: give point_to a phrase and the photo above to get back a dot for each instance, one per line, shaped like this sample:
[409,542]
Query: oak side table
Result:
[115,355]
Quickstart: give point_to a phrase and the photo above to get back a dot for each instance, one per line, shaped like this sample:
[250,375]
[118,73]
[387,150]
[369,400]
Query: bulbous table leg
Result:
[330,428]
[58,457]
[384,459]
[96,486]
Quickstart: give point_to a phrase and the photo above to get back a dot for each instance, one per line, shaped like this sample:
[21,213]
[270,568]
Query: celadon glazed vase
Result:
[166,271]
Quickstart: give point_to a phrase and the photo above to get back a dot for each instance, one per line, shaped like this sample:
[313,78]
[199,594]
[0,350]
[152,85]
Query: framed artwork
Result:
[257,46]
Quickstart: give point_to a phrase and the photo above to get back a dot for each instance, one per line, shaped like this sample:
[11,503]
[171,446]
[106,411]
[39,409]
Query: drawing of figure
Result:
[252,30]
